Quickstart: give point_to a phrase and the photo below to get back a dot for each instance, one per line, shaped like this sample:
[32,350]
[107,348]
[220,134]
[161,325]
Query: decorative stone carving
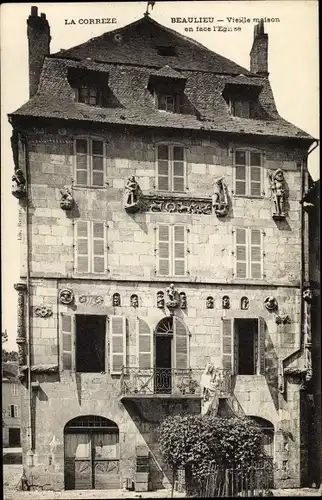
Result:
[132,195]
[225,302]
[91,300]
[244,303]
[277,182]
[172,204]
[66,200]
[183,300]
[18,184]
[283,319]
[21,334]
[134,301]
[160,300]
[43,311]
[220,198]
[308,295]
[307,331]
[66,296]
[116,300]
[210,302]
[173,297]
[270,303]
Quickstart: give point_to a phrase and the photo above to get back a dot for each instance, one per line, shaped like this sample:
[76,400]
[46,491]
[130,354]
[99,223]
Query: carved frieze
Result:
[172,204]
[18,184]
[278,194]
[220,198]
[270,303]
[91,300]
[66,200]
[66,296]
[43,311]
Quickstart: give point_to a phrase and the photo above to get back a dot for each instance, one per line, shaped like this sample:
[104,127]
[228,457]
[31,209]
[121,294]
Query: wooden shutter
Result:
[15,408]
[178,168]
[227,343]
[255,253]
[240,253]
[255,174]
[82,155]
[163,164]
[240,173]
[164,249]
[181,344]
[98,247]
[261,345]
[82,250]
[97,163]
[117,344]
[67,341]
[179,251]
[235,366]
[144,344]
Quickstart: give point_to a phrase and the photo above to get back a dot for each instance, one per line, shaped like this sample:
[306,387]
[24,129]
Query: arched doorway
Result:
[171,353]
[267,429]
[91,447]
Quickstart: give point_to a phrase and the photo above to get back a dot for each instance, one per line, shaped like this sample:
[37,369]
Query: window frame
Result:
[14,389]
[248,246]
[171,247]
[15,412]
[176,101]
[90,247]
[248,168]
[89,89]
[89,162]
[171,168]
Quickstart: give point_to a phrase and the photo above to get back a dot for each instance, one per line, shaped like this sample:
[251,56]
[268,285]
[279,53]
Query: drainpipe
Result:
[302,261]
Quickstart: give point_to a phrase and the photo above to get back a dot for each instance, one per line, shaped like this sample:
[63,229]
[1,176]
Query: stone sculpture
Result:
[160,300]
[270,303]
[18,184]
[183,300]
[134,301]
[116,300]
[244,303]
[225,302]
[132,194]
[173,297]
[220,198]
[210,302]
[66,200]
[277,182]
[66,296]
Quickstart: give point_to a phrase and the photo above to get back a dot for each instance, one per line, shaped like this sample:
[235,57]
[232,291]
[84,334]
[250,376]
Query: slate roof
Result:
[206,75]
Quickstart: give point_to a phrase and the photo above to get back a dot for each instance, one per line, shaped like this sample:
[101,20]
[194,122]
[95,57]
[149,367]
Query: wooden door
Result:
[78,461]
[106,461]
[163,363]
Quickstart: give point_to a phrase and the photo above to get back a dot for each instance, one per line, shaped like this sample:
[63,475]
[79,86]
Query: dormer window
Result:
[91,87]
[88,95]
[168,102]
[242,108]
[242,99]
[166,51]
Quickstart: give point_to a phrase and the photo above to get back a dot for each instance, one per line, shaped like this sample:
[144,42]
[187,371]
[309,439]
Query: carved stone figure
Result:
[67,200]
[308,364]
[132,194]
[308,295]
[220,198]
[210,302]
[18,184]
[283,319]
[225,302]
[66,296]
[173,297]
[134,301]
[277,182]
[211,386]
[270,303]
[116,300]
[43,311]
[183,300]
[160,300]
[21,334]
[93,300]
[244,303]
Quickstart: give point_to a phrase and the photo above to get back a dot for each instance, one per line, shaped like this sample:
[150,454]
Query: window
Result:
[88,95]
[89,155]
[14,389]
[90,343]
[168,50]
[248,253]
[170,168]
[168,102]
[13,411]
[171,250]
[242,108]
[248,173]
[90,247]
[243,345]
[117,330]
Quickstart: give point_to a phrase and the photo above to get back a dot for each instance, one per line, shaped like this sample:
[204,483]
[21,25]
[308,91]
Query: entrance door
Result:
[14,437]
[163,363]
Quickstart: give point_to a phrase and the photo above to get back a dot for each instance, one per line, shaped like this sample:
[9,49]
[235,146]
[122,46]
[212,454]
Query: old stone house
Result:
[11,405]
[161,230]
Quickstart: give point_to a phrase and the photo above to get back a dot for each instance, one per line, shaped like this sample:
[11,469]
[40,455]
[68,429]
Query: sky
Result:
[292,58]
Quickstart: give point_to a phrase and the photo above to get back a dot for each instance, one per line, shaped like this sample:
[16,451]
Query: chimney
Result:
[259,51]
[38,32]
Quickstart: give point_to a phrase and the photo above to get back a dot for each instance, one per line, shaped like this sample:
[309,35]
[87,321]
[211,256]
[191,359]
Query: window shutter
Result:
[255,254]
[261,345]
[181,344]
[82,246]
[67,327]
[164,249]
[227,344]
[235,366]
[16,411]
[144,339]
[97,163]
[241,253]
[255,174]
[163,168]
[179,251]
[178,169]
[240,173]
[117,344]
[81,149]
[98,247]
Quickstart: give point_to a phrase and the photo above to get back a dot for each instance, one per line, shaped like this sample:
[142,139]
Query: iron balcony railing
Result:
[176,382]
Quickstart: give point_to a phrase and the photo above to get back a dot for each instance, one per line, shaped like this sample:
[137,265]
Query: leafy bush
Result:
[197,443]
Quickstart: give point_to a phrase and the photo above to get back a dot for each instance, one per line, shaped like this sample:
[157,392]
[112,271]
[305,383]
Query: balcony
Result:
[137,383]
